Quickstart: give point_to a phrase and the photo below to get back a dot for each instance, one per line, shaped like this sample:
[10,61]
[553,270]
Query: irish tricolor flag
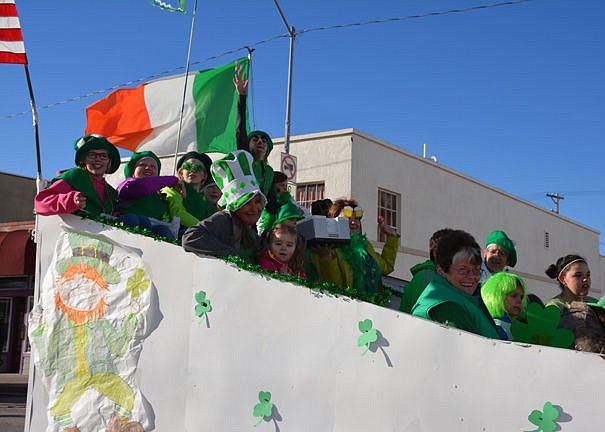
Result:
[147,117]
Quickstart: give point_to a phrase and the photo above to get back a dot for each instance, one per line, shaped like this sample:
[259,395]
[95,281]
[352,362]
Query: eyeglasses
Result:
[495,250]
[467,271]
[100,156]
[188,166]
[349,211]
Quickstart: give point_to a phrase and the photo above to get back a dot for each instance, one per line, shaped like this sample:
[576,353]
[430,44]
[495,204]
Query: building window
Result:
[546,240]
[309,192]
[388,208]
[5,323]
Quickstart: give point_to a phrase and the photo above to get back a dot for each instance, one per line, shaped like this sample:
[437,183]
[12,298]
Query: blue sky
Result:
[511,95]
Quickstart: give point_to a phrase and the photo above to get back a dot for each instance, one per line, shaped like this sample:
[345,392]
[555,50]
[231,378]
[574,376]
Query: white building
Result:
[422,197]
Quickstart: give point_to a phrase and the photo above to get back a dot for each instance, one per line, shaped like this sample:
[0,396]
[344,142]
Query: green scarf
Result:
[364,268]
[80,179]
[264,174]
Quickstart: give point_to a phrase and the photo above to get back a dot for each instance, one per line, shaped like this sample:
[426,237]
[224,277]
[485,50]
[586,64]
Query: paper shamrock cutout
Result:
[264,408]
[137,283]
[368,334]
[203,304]
[541,328]
[544,420]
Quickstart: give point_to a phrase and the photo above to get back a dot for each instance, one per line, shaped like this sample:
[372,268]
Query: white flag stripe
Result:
[7,1]
[14,47]
[163,99]
[9,22]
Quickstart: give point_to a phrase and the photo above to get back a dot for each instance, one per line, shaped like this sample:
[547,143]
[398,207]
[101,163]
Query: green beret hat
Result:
[97,142]
[266,136]
[134,160]
[500,238]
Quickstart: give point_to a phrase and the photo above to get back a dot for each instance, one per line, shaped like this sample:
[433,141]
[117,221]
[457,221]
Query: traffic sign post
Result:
[288,166]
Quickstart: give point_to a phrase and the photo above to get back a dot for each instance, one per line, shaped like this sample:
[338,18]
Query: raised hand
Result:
[387,229]
[240,82]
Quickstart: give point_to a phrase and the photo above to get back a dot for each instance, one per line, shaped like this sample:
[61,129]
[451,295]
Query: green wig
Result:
[495,290]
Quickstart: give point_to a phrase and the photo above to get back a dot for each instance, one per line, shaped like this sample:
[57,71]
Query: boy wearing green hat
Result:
[231,232]
[499,252]
[83,189]
[140,202]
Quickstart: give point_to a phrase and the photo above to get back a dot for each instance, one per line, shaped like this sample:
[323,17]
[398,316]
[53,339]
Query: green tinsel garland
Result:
[381,298]
[134,230]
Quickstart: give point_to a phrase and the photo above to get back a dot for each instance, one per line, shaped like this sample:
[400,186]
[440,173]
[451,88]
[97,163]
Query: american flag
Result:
[12,49]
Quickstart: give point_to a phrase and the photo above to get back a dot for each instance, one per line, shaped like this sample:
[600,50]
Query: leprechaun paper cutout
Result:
[86,332]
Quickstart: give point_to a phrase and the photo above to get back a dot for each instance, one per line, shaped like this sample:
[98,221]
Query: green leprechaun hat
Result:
[92,251]
[96,142]
[234,176]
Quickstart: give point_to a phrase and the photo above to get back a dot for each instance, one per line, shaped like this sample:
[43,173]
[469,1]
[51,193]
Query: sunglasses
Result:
[349,211]
[188,166]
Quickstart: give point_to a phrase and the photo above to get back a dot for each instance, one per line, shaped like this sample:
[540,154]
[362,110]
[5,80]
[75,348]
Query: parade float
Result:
[133,333]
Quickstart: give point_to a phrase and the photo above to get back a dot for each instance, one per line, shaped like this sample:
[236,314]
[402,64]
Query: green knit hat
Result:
[234,176]
[90,250]
[97,142]
[500,238]
[264,135]
[287,211]
[134,160]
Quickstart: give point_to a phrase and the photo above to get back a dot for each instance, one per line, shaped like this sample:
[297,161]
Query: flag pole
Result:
[32,102]
[178,137]
[251,87]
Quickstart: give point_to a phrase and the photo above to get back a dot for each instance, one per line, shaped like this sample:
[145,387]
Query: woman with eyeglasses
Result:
[450,298]
[191,206]
[356,264]
[83,189]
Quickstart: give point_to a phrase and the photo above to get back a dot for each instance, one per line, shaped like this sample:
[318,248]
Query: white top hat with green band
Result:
[233,174]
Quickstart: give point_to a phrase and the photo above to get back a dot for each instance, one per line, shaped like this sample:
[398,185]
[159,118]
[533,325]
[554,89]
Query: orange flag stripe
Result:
[121,117]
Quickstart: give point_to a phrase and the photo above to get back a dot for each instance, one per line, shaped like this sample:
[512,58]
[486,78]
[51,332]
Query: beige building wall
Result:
[17,194]
[432,196]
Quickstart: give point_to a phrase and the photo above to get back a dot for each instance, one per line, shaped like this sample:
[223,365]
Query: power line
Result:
[410,17]
[280,36]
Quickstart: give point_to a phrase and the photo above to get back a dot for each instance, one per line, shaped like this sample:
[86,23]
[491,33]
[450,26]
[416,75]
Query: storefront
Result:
[17,269]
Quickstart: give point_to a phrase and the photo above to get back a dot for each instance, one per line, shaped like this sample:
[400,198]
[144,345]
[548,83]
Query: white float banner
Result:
[229,350]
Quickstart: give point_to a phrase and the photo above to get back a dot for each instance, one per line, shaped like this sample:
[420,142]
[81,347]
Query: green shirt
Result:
[444,303]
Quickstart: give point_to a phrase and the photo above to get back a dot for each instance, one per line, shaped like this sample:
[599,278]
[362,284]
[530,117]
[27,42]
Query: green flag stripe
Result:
[216,107]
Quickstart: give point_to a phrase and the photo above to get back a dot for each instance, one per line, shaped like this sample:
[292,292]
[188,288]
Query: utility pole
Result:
[555,198]
[292,34]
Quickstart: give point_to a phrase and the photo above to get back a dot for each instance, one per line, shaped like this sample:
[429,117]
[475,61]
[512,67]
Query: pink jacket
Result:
[268,261]
[60,198]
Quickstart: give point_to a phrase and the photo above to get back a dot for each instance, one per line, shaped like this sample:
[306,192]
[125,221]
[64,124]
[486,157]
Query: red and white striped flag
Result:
[12,48]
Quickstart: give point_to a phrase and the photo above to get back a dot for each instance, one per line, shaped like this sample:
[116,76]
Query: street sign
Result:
[288,166]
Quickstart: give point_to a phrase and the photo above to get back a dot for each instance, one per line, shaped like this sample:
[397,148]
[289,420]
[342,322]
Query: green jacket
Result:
[442,302]
[422,275]
[190,210]
[338,271]
[79,179]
